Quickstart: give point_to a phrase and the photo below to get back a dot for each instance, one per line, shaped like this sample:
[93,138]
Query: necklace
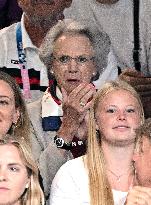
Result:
[118,177]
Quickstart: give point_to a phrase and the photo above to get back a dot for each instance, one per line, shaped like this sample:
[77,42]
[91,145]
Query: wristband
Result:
[60,143]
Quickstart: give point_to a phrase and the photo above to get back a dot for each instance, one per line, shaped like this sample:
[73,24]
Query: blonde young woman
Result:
[19,183]
[105,174]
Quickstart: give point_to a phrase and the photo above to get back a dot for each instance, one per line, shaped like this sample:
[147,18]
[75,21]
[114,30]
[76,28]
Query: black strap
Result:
[136,35]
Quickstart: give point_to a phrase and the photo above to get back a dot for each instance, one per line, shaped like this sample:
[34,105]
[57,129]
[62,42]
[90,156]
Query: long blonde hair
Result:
[99,187]
[33,195]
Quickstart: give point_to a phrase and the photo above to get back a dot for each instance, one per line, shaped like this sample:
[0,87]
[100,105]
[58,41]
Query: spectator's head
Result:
[18,173]
[142,154]
[74,53]
[44,12]
[118,112]
[13,112]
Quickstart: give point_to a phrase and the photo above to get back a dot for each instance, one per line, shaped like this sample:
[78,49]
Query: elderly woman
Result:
[74,56]
[19,183]
[105,174]
[141,193]
[13,113]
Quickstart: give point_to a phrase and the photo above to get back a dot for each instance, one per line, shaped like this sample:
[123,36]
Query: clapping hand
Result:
[139,195]
[75,106]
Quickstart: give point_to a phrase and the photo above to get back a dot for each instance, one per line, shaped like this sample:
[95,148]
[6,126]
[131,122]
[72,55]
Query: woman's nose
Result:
[73,66]
[121,115]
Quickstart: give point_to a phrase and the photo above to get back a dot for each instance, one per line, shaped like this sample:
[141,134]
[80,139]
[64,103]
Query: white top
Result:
[117,21]
[8,52]
[70,186]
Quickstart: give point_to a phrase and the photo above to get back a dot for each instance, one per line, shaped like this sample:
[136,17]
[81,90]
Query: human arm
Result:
[73,111]
[45,152]
[73,116]
[139,195]
[49,159]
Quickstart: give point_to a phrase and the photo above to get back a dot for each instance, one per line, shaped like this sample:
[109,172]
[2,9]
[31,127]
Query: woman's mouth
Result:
[3,189]
[73,81]
[121,127]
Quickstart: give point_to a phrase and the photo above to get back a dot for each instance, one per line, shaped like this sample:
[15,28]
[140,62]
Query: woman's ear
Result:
[28,183]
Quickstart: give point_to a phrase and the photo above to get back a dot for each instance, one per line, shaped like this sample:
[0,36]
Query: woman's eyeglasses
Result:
[65,59]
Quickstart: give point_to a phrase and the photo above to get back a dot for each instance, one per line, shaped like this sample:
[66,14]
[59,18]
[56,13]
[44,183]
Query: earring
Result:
[51,72]
[94,74]
[27,186]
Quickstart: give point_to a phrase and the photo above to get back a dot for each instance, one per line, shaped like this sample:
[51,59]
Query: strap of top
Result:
[136,50]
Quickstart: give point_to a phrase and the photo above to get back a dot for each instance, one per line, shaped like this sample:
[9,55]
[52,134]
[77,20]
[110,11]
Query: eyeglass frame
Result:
[77,59]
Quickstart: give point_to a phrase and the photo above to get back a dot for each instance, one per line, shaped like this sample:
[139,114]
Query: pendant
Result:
[118,179]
